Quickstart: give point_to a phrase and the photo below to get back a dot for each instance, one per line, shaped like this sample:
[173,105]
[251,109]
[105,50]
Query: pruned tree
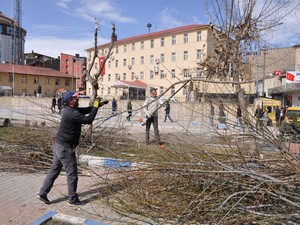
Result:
[238,27]
[93,78]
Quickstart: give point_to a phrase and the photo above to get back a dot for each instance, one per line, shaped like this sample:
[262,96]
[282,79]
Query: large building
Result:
[158,60]
[40,60]
[12,40]
[31,81]
[74,66]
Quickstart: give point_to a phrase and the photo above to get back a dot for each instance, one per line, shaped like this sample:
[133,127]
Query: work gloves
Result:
[98,103]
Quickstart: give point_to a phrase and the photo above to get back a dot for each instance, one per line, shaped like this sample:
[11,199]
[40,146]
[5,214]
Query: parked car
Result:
[291,113]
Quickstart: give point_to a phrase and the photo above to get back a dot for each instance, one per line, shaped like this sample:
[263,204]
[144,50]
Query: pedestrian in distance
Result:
[59,104]
[277,115]
[239,119]
[114,106]
[129,110]
[65,142]
[258,115]
[167,110]
[53,104]
[151,106]
[212,114]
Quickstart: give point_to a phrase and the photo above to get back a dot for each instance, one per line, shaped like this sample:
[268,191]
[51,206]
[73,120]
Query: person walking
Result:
[66,140]
[150,107]
[167,109]
[129,110]
[59,104]
[239,120]
[277,115]
[53,104]
[114,106]
[258,115]
[212,114]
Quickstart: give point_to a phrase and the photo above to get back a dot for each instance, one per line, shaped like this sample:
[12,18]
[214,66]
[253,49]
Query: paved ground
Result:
[20,206]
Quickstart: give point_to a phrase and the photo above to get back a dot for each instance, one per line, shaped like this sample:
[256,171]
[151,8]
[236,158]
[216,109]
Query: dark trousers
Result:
[62,158]
[167,116]
[149,121]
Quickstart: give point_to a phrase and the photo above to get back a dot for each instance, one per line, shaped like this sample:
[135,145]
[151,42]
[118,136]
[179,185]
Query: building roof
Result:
[31,70]
[127,84]
[156,34]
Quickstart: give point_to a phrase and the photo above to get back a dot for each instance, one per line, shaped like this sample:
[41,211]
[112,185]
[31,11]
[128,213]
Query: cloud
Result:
[91,9]
[167,18]
[53,46]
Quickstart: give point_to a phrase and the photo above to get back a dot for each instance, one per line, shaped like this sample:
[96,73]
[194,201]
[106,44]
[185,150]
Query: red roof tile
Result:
[156,34]
[31,70]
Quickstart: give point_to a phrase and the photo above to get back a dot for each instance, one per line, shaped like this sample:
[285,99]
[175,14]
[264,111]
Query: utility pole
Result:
[264,50]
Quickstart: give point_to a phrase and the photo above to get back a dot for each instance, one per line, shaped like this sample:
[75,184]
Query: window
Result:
[185,38]
[199,36]
[173,40]
[117,77]
[184,91]
[116,63]
[117,49]
[57,81]
[96,66]
[198,55]
[124,62]
[173,57]
[173,73]
[172,90]
[132,76]
[36,80]
[161,90]
[124,76]
[151,74]
[116,91]
[109,64]
[24,79]
[185,73]
[142,45]
[133,47]
[67,82]
[132,61]
[162,74]
[152,43]
[11,78]
[108,77]
[102,91]
[162,58]
[162,42]
[47,80]
[185,55]
[124,48]
[89,57]
[142,59]
[108,91]
[151,59]
[142,76]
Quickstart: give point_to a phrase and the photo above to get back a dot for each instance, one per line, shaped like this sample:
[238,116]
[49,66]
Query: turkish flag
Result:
[101,61]
[290,76]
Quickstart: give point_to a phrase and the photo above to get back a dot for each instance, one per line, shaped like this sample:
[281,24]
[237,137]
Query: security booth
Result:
[134,90]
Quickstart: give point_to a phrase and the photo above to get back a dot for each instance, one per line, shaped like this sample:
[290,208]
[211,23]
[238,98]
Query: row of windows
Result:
[161,59]
[141,76]
[161,91]
[162,42]
[36,80]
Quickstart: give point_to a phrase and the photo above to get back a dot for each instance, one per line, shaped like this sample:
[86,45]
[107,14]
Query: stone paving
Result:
[20,206]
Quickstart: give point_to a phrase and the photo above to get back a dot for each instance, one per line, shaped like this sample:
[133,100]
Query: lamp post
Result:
[149,25]
[264,49]
[73,62]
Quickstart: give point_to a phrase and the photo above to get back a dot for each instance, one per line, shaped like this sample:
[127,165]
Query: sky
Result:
[67,26]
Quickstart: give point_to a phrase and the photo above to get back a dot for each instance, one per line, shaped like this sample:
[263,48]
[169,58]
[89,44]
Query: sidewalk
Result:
[19,204]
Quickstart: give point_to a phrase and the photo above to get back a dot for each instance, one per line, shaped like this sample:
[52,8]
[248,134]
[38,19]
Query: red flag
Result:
[277,72]
[290,76]
[101,61]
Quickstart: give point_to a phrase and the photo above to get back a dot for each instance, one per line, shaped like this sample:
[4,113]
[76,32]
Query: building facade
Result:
[74,66]
[31,81]
[159,59]
[12,41]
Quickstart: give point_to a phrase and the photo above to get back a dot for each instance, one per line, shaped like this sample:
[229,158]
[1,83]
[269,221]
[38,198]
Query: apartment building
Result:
[30,80]
[157,59]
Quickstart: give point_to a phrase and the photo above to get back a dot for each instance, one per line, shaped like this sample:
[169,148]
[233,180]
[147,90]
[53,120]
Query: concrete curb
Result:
[52,215]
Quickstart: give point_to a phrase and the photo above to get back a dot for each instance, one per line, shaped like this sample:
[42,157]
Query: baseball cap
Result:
[69,95]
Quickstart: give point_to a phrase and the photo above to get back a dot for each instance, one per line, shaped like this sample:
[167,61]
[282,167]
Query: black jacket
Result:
[68,134]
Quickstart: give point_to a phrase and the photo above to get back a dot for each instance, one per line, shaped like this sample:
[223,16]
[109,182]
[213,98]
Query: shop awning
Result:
[129,84]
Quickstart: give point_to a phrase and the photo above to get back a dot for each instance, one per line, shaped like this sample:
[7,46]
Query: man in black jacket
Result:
[67,138]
